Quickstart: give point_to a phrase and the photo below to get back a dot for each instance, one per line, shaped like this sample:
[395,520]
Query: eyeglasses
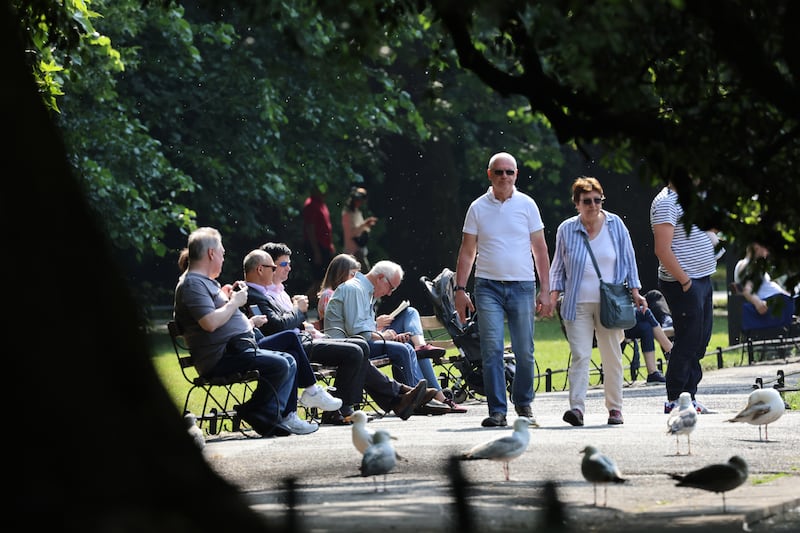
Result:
[392,288]
[500,171]
[273,267]
[597,200]
[284,264]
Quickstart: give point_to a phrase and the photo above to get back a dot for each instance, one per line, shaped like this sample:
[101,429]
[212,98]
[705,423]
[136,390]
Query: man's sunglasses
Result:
[500,171]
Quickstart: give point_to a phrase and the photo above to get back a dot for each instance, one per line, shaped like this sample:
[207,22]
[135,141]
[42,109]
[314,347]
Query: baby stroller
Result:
[463,375]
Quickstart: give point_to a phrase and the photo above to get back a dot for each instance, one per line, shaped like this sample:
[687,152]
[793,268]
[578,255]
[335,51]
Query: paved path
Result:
[332,496]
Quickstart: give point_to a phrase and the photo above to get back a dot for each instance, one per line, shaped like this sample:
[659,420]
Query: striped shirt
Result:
[571,261]
[695,251]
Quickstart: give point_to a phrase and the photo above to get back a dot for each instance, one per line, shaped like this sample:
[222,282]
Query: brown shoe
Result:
[409,401]
[433,407]
[430,394]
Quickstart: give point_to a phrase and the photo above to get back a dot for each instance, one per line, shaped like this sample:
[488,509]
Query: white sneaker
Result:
[701,409]
[316,396]
[297,426]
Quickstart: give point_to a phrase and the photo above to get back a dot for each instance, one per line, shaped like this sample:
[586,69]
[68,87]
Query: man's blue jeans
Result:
[405,367]
[275,384]
[496,301]
[408,321]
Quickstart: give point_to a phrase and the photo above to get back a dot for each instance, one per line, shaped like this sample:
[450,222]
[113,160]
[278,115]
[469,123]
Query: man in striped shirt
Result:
[686,262]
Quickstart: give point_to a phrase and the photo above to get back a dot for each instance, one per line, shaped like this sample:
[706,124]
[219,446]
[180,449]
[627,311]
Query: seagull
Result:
[379,457]
[598,468]
[362,435]
[503,449]
[682,421]
[764,406]
[194,432]
[716,477]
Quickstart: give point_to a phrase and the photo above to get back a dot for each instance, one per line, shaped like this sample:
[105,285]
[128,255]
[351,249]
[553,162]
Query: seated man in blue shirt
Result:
[354,372]
[350,312]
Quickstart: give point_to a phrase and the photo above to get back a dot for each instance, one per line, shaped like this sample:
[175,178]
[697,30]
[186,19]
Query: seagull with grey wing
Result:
[764,406]
[716,477]
[503,449]
[599,469]
[682,421]
[379,457]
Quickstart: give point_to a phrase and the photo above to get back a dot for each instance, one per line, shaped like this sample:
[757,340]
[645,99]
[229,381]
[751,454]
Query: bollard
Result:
[548,380]
[720,362]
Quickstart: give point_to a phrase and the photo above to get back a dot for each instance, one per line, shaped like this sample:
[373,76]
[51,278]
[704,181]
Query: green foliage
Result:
[192,126]
[699,92]
[50,27]
[224,113]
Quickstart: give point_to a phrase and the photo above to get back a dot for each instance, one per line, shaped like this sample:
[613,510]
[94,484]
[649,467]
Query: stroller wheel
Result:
[459,395]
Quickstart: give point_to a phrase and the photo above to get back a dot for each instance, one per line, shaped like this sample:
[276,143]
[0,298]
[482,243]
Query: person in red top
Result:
[318,237]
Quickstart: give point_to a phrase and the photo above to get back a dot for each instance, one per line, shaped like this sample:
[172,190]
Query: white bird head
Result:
[359,417]
[521,424]
[190,420]
[684,400]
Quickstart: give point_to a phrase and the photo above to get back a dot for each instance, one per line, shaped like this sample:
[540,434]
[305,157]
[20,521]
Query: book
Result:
[399,308]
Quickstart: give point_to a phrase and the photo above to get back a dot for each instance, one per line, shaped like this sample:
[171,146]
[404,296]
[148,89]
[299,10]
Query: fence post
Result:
[548,380]
[720,362]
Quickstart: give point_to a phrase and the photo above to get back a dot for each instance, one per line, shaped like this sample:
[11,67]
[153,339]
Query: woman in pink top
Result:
[341,268]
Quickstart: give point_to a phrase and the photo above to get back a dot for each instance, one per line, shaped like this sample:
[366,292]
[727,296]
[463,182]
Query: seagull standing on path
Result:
[379,457]
[715,478]
[764,406]
[362,435]
[682,421]
[194,432]
[503,449]
[598,468]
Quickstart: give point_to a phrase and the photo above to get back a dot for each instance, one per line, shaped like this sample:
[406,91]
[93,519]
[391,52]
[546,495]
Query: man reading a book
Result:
[350,311]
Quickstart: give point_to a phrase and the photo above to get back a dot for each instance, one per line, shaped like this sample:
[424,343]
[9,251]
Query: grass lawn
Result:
[552,352]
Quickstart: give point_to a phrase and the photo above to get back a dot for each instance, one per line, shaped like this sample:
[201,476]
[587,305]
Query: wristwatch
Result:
[459,288]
